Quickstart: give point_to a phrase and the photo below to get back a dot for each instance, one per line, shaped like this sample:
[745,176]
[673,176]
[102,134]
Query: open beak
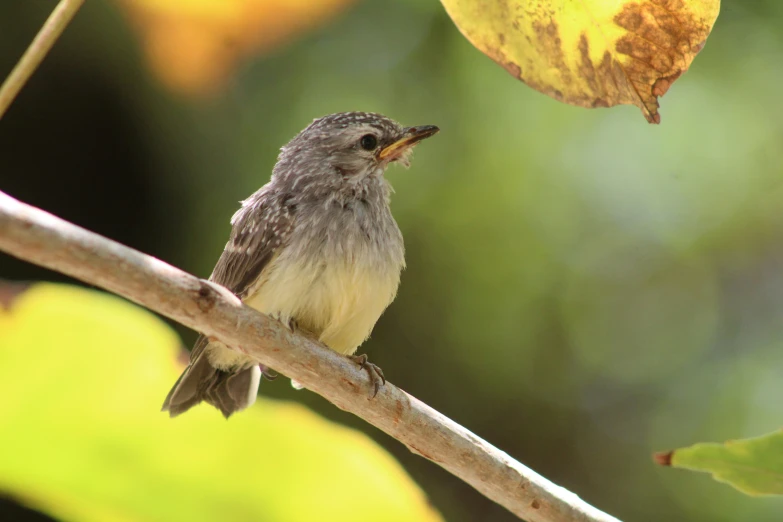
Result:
[410,137]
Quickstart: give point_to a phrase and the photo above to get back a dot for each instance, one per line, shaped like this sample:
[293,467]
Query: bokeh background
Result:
[583,288]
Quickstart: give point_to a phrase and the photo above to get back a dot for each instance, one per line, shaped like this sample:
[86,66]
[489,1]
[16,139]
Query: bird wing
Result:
[259,229]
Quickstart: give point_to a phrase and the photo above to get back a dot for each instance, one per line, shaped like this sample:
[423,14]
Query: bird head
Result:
[347,148]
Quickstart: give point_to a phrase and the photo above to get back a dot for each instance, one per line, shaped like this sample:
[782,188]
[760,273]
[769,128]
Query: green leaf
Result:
[82,378]
[753,466]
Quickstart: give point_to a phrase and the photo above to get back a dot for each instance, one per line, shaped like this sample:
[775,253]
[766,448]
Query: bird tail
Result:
[228,391]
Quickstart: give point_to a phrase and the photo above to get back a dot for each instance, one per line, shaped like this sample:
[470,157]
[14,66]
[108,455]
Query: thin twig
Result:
[34,55]
[36,236]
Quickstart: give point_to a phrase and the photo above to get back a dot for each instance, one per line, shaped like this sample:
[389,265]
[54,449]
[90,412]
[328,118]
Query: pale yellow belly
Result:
[340,302]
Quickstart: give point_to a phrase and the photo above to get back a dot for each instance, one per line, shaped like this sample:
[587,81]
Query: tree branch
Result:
[43,239]
[36,236]
[35,53]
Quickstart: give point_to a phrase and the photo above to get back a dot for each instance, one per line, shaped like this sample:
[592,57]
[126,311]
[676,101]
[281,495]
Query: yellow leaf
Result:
[193,46]
[590,53]
[82,378]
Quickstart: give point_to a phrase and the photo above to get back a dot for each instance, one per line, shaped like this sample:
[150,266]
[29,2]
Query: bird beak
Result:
[410,137]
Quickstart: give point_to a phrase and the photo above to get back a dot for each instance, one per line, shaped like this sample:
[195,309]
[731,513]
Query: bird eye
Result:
[368,142]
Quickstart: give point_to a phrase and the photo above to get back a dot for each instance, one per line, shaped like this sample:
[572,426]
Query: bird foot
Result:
[268,373]
[376,374]
[290,323]
[293,325]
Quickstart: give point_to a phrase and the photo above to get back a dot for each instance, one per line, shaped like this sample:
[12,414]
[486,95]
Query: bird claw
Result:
[291,323]
[268,373]
[377,378]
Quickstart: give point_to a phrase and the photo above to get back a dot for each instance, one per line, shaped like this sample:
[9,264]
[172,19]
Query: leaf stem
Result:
[61,16]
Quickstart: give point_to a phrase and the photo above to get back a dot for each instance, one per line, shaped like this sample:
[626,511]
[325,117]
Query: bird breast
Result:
[337,273]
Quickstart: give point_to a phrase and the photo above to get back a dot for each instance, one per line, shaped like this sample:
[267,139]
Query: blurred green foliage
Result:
[84,438]
[582,290]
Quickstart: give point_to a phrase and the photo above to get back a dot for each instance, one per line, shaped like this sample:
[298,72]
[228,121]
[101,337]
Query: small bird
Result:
[316,248]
